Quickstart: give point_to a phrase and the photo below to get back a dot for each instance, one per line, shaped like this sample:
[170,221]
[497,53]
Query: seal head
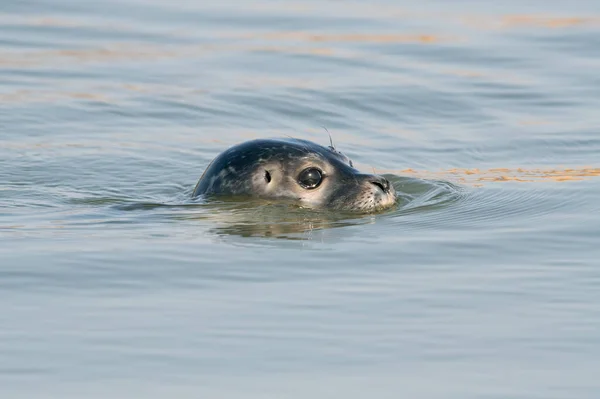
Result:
[299,170]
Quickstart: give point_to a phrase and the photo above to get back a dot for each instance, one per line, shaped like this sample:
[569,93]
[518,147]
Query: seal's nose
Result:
[381,182]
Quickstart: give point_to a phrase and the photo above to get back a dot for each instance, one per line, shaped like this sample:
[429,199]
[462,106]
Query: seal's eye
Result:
[310,178]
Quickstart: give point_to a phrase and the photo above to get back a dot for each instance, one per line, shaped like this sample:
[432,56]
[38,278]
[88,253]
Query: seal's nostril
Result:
[382,183]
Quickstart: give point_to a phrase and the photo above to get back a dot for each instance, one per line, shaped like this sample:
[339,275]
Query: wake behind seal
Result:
[294,169]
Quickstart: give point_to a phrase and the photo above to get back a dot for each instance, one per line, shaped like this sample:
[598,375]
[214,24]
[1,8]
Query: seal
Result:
[299,170]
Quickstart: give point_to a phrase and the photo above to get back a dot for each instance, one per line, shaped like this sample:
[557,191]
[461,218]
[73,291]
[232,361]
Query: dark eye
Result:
[310,178]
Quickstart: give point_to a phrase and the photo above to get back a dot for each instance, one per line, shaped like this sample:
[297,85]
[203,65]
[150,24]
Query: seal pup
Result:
[294,169]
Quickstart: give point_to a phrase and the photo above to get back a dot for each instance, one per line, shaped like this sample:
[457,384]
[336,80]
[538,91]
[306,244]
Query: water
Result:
[482,283]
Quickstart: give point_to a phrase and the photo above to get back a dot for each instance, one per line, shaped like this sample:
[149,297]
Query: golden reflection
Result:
[530,21]
[477,177]
[547,22]
[352,37]
[295,50]
[40,20]
[107,53]
[114,93]
[126,52]
[114,52]
[33,96]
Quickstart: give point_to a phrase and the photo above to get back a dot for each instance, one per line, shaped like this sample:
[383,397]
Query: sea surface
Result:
[482,282]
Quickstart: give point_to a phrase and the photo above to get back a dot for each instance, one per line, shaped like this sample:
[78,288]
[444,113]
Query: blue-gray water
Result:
[484,281]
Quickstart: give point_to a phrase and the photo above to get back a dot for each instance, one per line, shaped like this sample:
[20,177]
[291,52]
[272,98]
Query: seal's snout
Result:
[382,183]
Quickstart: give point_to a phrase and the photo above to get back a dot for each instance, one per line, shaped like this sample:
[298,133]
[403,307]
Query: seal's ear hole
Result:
[267,176]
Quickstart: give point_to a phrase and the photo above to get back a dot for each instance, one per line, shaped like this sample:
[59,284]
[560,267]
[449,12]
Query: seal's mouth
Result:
[384,199]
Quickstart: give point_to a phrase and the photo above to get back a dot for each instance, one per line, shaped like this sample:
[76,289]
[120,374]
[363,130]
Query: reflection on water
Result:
[477,176]
[251,217]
